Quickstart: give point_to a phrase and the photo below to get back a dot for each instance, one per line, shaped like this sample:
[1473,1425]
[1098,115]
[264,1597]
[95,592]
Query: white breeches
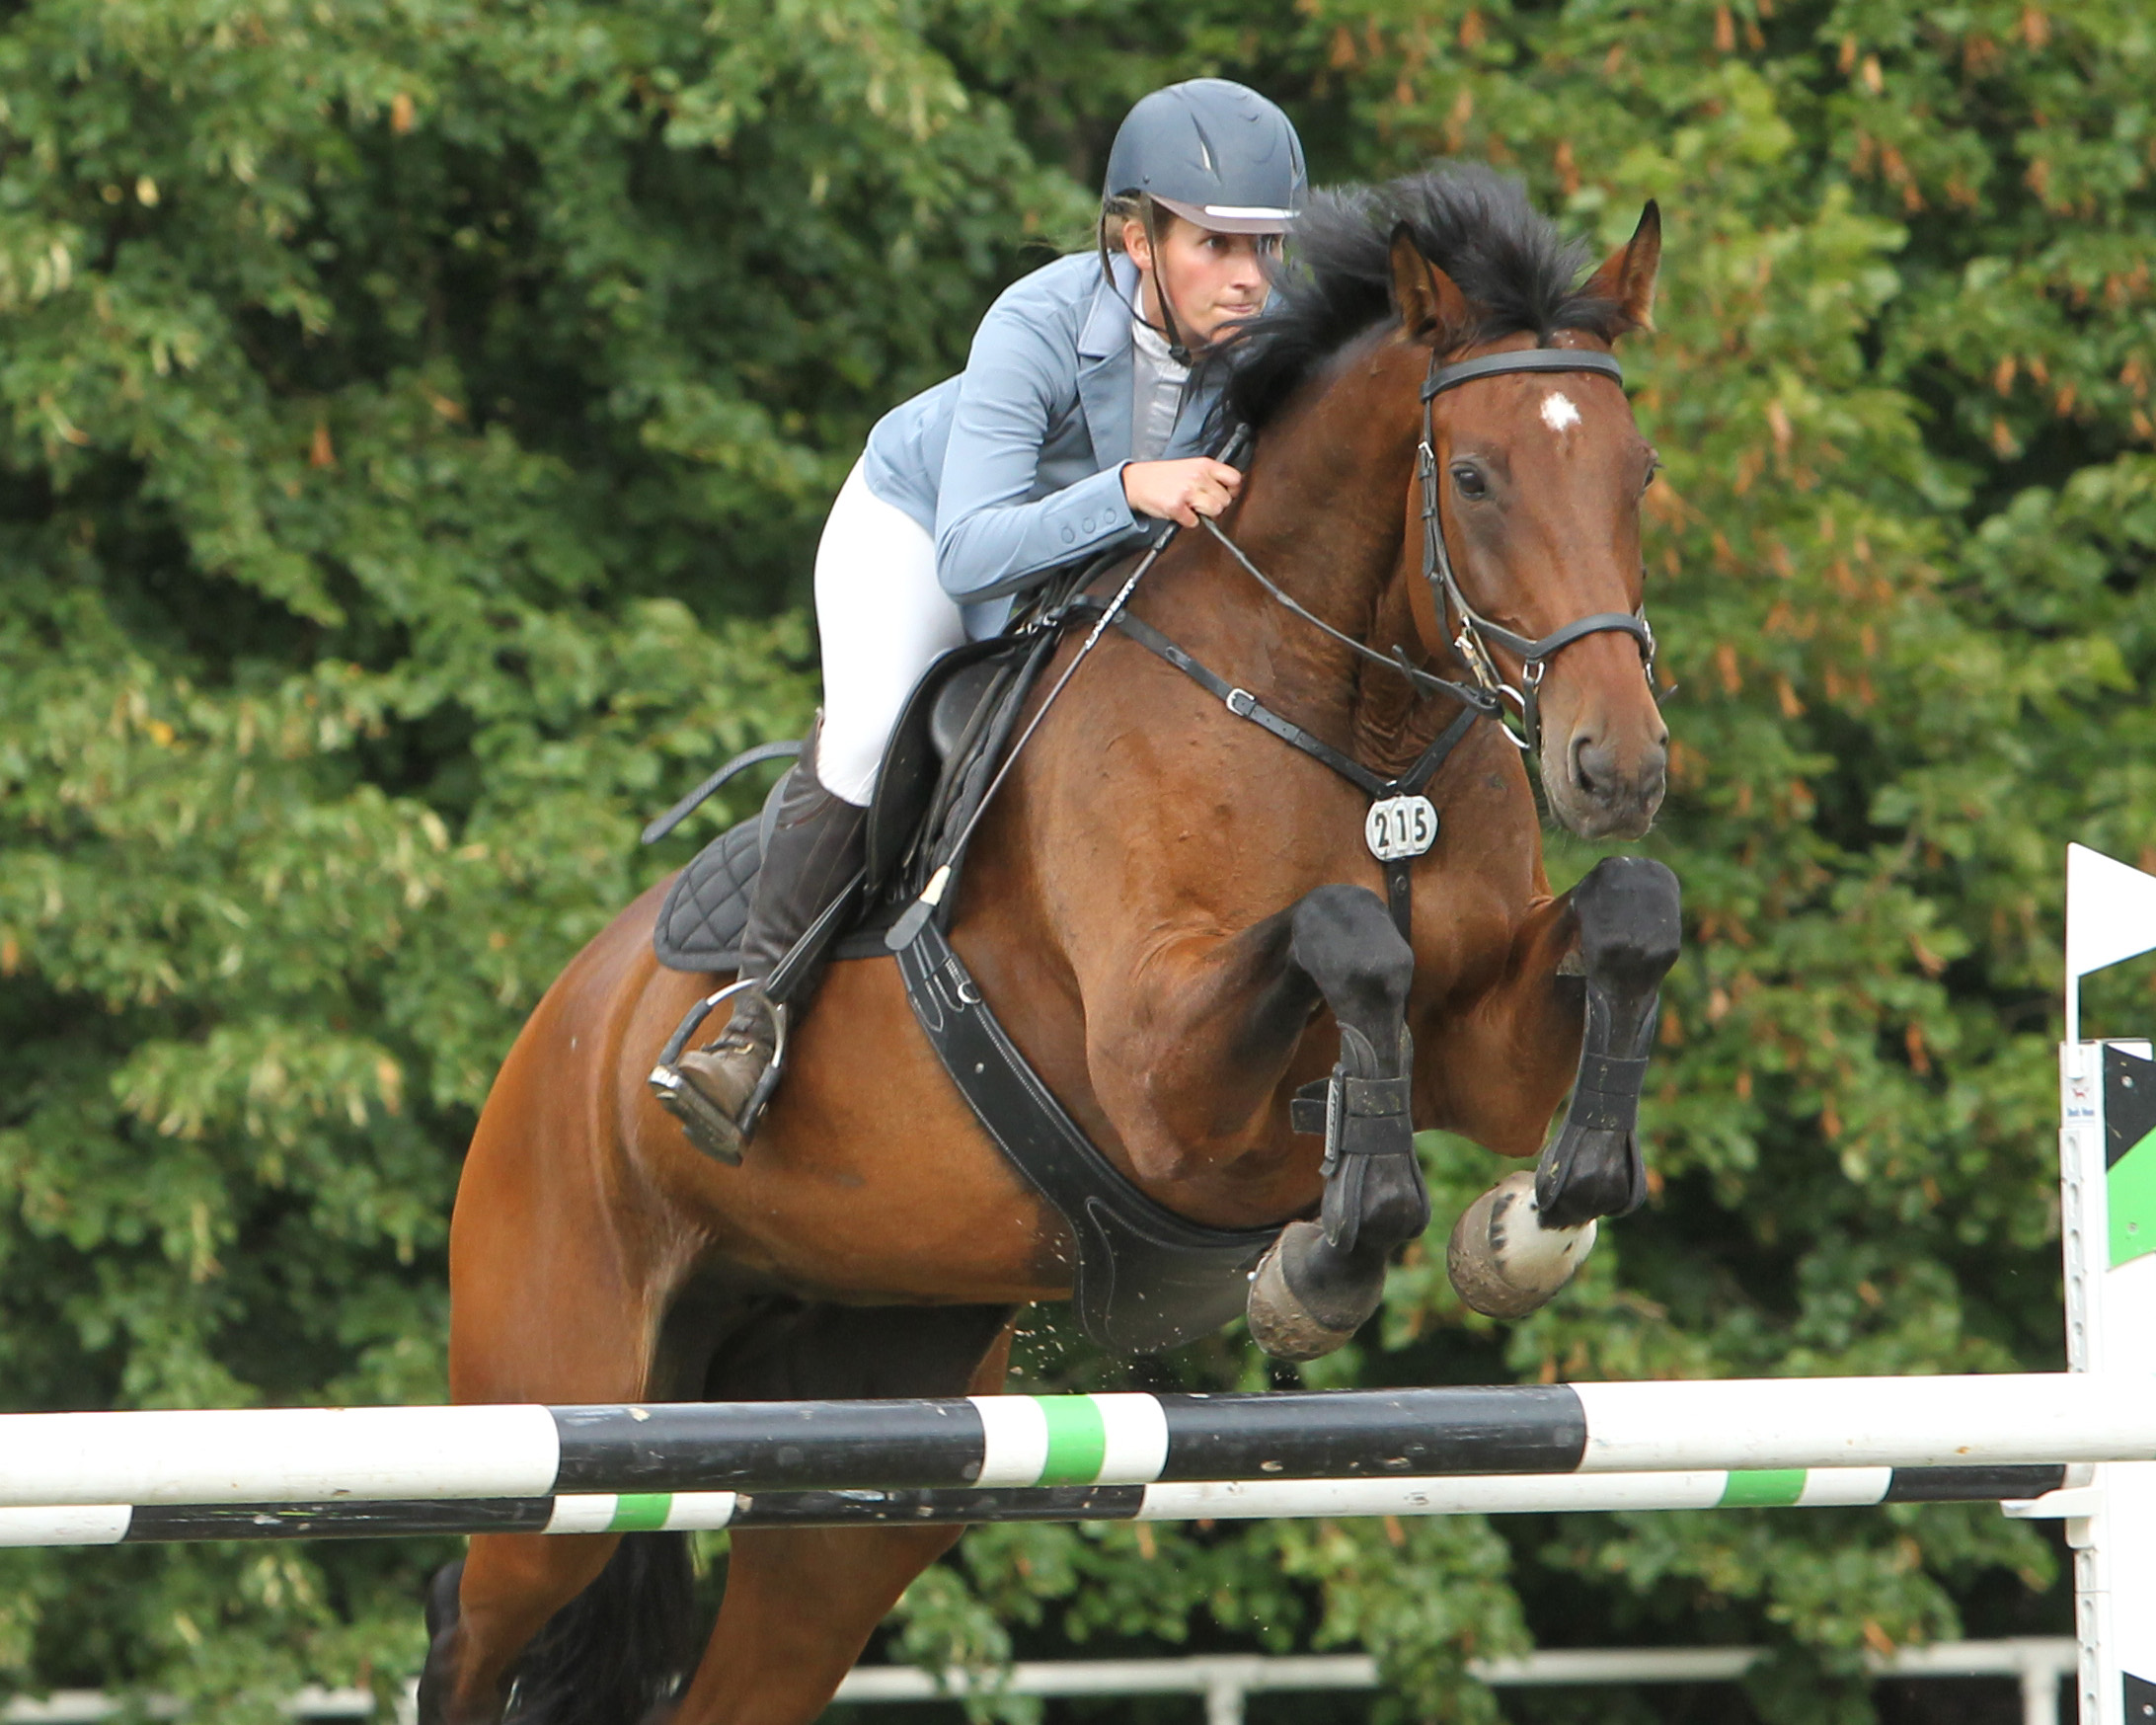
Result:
[884,620]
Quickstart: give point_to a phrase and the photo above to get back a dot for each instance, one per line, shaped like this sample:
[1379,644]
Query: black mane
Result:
[1475,225]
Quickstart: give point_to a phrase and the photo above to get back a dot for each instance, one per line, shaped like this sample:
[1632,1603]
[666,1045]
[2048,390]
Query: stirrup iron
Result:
[718,1134]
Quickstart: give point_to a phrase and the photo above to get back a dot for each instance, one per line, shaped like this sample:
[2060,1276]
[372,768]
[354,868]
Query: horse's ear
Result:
[1425,296]
[1627,276]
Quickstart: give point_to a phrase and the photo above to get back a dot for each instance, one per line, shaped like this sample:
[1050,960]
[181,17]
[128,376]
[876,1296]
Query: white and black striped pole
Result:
[1200,1500]
[323,1455]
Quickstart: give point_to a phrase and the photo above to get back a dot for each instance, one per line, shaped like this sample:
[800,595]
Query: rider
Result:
[1076,426]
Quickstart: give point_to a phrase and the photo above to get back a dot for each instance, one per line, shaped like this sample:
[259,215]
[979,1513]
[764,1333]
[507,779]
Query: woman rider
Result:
[1075,427]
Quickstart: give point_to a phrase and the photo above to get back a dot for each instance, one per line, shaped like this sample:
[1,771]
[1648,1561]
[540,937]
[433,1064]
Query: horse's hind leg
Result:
[553,1300]
[1322,1279]
[484,1612]
[801,1604]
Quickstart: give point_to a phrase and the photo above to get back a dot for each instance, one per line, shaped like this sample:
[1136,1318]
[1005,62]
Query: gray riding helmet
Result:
[1216,153]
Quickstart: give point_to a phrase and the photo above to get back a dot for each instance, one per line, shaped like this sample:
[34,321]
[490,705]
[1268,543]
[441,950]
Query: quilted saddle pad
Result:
[700,924]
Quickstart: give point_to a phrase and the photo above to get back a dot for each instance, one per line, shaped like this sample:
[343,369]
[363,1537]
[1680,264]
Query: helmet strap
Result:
[1176,349]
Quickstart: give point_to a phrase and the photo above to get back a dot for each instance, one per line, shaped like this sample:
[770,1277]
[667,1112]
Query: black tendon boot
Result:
[815,847]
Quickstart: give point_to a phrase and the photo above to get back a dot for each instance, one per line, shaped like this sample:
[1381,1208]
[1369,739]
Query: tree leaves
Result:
[414,423]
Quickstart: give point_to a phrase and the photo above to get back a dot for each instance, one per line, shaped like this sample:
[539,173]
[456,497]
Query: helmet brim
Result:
[1227,219]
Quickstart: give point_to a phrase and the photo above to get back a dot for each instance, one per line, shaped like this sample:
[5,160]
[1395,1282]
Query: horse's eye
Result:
[1470,481]
[1653,468]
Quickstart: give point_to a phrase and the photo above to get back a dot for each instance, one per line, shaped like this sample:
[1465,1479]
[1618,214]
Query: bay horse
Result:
[1180,922]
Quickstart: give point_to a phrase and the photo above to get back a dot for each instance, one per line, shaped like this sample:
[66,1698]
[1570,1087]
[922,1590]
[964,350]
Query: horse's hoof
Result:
[1501,1258]
[1305,1299]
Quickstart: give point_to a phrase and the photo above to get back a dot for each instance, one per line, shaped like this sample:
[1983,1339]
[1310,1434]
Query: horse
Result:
[1181,923]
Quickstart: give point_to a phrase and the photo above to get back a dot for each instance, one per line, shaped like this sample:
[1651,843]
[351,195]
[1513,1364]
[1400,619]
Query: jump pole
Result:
[1221,1500]
[358,1455]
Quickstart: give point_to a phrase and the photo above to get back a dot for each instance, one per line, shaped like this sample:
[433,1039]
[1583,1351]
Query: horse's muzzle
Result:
[1602,787]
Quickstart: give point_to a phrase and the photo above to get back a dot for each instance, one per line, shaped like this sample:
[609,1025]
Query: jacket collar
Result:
[1105,345]
[1107,331]
[1104,365]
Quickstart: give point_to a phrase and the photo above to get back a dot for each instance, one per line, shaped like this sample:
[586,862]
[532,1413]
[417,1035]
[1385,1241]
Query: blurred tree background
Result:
[415,421]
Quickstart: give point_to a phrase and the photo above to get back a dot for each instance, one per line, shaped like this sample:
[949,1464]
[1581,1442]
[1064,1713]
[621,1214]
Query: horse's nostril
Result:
[1590,762]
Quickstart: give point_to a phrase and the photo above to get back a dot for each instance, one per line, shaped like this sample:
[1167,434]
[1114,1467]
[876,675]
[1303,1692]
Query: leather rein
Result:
[1403,822]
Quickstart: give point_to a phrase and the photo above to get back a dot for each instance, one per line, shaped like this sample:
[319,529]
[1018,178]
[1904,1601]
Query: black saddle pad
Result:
[700,924]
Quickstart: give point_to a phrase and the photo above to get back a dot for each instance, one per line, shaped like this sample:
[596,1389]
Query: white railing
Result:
[1225,1681]
[2040,1664]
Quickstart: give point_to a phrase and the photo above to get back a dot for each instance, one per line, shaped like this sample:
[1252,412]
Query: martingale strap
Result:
[1145,1279]
[1399,873]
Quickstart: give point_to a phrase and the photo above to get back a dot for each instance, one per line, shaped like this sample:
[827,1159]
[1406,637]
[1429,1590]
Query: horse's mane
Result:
[1475,225]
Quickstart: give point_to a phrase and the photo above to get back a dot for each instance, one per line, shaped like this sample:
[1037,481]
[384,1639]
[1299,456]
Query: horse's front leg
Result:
[1189,1051]
[1322,1279]
[1587,975]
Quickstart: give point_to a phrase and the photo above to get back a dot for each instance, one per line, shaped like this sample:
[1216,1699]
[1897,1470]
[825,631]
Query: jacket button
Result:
[1088,524]
[1068,535]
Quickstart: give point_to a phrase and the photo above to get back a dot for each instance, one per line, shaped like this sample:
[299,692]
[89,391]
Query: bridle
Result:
[1471,646]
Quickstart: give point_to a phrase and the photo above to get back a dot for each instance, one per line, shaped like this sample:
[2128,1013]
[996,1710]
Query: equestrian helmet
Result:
[1215,153]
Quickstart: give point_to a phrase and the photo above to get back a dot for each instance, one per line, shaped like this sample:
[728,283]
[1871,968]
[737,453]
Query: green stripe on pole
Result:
[641,1512]
[1766,1489]
[1077,1439]
[2130,1197]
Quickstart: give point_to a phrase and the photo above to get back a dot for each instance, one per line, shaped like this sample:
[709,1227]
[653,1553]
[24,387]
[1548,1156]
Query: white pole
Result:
[1223,1700]
[2040,1696]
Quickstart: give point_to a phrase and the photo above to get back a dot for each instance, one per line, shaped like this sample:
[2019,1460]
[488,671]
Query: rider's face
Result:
[1213,279]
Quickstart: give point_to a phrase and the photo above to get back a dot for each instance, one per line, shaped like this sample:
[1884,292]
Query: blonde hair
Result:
[1115,211]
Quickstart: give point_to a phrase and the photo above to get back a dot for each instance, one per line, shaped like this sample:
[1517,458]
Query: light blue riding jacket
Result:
[1015,464]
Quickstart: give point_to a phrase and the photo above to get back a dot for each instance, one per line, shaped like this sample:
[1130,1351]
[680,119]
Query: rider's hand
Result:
[1180,491]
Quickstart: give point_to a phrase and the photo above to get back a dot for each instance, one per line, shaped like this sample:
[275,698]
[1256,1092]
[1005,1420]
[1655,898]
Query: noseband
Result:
[1471,646]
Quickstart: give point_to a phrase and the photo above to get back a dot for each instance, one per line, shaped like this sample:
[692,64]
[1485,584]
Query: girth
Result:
[1399,871]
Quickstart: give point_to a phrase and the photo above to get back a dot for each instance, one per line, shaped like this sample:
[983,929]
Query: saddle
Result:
[938,762]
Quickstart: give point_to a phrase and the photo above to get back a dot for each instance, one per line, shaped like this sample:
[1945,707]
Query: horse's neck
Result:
[1322,514]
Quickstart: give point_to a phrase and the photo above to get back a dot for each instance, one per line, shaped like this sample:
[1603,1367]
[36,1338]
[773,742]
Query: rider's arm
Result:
[992,536]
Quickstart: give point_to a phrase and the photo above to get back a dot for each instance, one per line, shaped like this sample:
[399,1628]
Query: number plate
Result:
[1400,827]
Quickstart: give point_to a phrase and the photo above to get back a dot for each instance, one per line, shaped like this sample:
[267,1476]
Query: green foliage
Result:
[414,422]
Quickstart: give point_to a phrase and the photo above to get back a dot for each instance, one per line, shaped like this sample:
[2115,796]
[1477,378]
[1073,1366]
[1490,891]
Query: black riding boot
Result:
[816,844]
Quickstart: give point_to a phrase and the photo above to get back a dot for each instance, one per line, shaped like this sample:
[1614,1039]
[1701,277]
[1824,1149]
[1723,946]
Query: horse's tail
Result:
[619,1648]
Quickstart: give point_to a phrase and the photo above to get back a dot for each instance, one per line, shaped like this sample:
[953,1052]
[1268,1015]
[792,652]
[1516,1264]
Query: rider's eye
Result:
[1470,482]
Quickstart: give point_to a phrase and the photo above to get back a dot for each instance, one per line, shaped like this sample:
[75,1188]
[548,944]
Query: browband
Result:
[1446,378]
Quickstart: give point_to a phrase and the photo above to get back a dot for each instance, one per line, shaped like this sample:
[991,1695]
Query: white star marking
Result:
[1558,411]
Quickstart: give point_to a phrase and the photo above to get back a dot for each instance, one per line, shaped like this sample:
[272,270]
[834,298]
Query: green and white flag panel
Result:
[2108,1183]
[2111,916]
